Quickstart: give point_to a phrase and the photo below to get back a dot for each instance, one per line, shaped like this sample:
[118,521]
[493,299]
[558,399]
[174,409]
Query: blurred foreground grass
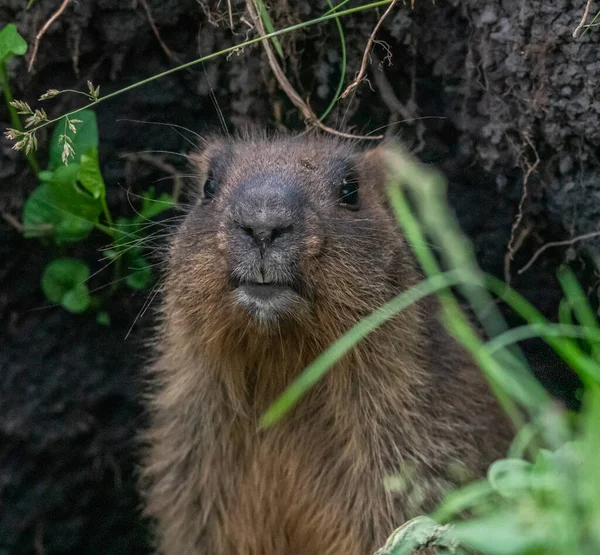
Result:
[544,498]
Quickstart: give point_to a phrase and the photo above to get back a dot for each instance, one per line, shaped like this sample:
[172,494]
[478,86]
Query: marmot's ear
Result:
[208,149]
[376,160]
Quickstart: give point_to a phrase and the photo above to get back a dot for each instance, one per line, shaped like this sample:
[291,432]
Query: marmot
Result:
[289,243]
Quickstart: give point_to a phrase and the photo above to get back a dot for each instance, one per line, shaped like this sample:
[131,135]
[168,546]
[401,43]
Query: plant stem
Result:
[118,265]
[106,211]
[340,86]
[315,371]
[110,231]
[268,23]
[62,91]
[14,116]
[213,55]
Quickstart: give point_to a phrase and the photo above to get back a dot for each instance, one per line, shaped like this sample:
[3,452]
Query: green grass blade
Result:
[338,91]
[268,23]
[335,8]
[530,331]
[429,191]
[586,368]
[315,371]
[589,478]
[591,23]
[580,305]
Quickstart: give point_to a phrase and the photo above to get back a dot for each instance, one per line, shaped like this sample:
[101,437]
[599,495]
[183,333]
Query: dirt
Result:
[511,100]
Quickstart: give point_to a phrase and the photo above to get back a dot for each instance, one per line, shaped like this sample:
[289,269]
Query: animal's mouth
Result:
[266,290]
[268,301]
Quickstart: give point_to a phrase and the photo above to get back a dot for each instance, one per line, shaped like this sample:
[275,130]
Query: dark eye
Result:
[210,188]
[349,194]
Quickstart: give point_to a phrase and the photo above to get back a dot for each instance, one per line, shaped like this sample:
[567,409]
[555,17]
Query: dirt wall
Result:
[509,98]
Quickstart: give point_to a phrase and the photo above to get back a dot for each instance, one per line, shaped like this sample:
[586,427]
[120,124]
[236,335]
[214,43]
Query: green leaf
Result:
[417,533]
[89,174]
[63,282]
[82,141]
[45,176]
[11,42]
[42,217]
[60,204]
[70,199]
[141,276]
[111,254]
[77,299]
[103,318]
[152,206]
[499,534]
[510,477]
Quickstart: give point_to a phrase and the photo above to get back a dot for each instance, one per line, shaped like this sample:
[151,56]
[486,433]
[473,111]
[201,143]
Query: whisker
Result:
[409,120]
[151,296]
[188,175]
[140,241]
[171,125]
[109,284]
[129,192]
[126,154]
[213,99]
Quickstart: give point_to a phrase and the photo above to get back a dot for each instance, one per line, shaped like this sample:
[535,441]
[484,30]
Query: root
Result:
[565,243]
[583,19]
[512,244]
[365,59]
[517,245]
[408,111]
[165,48]
[10,219]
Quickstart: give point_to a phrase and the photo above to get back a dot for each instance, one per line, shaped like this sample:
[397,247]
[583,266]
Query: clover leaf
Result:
[61,207]
[63,282]
[140,277]
[11,42]
[81,141]
[153,206]
[89,174]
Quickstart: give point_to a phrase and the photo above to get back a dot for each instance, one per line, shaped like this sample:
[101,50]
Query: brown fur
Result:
[405,400]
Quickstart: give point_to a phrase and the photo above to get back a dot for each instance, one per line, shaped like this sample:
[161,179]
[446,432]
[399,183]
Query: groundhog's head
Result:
[285,233]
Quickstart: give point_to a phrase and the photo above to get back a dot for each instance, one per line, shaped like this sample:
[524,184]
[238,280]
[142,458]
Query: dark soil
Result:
[513,102]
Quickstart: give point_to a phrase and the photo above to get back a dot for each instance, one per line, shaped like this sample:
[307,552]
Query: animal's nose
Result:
[263,235]
[267,207]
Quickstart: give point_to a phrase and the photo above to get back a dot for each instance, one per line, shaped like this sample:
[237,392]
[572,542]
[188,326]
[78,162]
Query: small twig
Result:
[408,111]
[517,245]
[13,222]
[38,543]
[389,97]
[160,164]
[511,244]
[229,9]
[289,90]
[363,66]
[557,244]
[43,30]
[583,19]
[165,48]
